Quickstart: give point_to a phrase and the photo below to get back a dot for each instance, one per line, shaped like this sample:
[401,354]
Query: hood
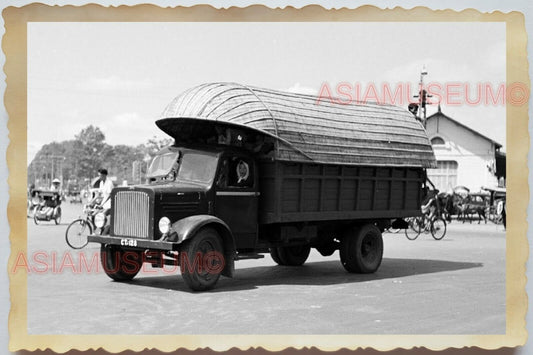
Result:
[174,200]
[168,187]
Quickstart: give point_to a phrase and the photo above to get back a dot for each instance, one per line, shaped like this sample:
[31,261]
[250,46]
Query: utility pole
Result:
[53,160]
[422,98]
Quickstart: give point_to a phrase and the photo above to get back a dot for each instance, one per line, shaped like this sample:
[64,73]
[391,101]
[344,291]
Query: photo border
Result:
[14,45]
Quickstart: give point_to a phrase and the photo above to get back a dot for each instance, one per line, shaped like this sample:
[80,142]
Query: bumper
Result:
[133,243]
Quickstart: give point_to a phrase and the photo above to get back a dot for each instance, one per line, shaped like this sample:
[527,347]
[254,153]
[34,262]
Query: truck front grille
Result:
[131,214]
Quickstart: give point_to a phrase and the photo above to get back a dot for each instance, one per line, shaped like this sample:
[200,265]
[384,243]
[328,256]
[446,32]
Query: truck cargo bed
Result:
[305,192]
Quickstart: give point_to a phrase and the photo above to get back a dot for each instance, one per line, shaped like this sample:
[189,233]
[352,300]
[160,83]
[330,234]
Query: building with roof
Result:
[464,156]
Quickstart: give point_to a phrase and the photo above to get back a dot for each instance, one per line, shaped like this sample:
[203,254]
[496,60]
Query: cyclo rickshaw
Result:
[49,207]
[497,210]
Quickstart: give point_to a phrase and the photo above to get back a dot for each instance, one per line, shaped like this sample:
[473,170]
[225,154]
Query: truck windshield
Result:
[197,167]
[162,164]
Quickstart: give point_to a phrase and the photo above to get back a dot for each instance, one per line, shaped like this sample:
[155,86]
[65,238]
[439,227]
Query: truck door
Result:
[236,200]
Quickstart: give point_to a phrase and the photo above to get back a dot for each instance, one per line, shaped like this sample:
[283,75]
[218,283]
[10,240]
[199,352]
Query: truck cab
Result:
[220,183]
[189,190]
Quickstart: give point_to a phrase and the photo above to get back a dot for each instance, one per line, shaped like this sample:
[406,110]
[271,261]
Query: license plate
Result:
[128,242]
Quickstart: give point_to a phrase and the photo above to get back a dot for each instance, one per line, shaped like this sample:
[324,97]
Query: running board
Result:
[245,256]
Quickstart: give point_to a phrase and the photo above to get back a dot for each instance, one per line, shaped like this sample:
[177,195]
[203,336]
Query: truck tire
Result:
[118,264]
[202,260]
[275,255]
[361,249]
[293,256]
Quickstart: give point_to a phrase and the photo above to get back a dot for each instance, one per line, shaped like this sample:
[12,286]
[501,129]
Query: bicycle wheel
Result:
[438,228]
[77,232]
[415,227]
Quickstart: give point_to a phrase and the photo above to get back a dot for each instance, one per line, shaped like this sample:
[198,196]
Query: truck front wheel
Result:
[202,260]
[361,249]
[118,264]
[290,256]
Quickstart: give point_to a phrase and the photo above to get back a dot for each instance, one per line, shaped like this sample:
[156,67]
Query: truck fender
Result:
[186,229]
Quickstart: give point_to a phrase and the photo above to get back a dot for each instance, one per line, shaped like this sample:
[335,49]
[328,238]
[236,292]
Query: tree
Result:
[155,144]
[90,150]
[79,159]
[120,160]
[47,164]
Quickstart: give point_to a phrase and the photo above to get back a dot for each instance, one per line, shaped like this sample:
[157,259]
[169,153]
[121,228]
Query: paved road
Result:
[452,286]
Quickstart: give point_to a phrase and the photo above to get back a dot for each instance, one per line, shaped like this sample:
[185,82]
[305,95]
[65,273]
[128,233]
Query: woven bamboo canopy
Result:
[304,128]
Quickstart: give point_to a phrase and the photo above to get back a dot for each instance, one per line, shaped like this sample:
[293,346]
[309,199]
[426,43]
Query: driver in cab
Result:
[234,173]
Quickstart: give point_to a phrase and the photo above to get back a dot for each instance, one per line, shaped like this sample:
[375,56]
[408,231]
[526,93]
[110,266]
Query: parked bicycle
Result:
[78,231]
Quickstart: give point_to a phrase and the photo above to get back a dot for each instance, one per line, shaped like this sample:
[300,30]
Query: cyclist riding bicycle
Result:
[429,204]
[104,187]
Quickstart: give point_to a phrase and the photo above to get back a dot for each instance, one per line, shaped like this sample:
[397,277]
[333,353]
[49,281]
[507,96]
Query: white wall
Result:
[471,152]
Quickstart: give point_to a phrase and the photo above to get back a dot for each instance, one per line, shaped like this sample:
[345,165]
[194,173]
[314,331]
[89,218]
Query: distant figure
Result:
[30,190]
[56,185]
[501,182]
[504,215]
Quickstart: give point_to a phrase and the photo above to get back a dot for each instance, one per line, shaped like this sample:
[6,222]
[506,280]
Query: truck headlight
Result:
[164,225]
[99,220]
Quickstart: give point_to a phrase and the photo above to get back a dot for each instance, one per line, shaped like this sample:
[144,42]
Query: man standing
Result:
[56,185]
[53,203]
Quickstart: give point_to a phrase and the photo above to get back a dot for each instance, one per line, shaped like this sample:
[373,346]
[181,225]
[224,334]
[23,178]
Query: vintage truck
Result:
[255,171]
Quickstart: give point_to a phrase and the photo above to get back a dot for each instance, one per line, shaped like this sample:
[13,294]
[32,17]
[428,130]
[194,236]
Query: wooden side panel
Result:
[290,195]
[296,192]
[330,193]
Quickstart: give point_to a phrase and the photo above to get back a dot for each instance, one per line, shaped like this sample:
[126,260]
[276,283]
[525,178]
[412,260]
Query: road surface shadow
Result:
[312,274]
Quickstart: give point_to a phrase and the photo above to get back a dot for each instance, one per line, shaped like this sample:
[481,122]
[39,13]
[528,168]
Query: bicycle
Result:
[413,229]
[436,225]
[79,229]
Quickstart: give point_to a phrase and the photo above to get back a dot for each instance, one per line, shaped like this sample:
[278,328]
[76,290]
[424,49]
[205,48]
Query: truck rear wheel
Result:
[202,260]
[275,255]
[361,249]
[290,256]
[118,264]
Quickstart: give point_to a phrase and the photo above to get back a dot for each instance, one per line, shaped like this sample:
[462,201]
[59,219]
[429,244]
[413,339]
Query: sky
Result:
[121,76]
